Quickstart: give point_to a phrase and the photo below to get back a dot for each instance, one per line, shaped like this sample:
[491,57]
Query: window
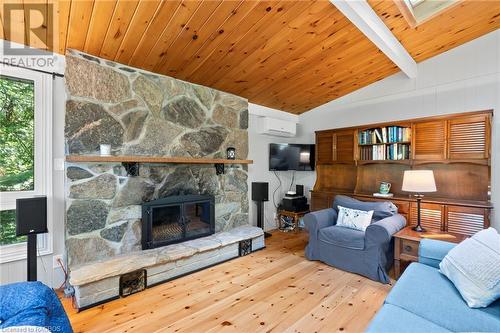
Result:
[25,152]
[418,11]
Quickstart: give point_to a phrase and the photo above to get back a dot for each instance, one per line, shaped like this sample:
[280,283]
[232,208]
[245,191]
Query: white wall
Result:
[463,79]
[259,171]
[16,271]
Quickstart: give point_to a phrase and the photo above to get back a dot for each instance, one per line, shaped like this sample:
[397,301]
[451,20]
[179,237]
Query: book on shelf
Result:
[392,152]
[378,133]
[388,134]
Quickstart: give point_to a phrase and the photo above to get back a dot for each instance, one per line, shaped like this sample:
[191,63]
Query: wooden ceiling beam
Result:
[361,14]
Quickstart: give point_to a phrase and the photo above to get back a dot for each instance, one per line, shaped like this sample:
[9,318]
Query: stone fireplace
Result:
[177,219]
[122,224]
[144,114]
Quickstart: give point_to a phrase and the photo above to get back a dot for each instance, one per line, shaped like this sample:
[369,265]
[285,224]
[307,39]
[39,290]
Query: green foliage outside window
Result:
[17,111]
[17,118]
[8,228]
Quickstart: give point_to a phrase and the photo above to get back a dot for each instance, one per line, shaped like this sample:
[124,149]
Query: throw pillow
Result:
[474,268]
[354,219]
[381,209]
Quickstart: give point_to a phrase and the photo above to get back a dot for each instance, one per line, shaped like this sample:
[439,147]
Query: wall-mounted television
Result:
[290,156]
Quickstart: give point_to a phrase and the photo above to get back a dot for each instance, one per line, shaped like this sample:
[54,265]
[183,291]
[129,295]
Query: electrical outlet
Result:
[59,164]
[275,215]
[55,260]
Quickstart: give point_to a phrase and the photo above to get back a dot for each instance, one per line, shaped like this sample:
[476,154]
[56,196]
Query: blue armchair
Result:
[368,253]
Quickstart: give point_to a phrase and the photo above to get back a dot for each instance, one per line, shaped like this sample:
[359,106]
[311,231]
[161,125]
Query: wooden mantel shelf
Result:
[151,159]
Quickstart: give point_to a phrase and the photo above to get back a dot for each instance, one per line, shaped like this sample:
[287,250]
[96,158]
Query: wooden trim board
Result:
[152,159]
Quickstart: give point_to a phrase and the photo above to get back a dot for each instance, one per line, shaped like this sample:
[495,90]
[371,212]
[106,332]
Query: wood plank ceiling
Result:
[288,55]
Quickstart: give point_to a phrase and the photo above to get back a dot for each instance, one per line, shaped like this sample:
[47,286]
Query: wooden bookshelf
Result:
[456,147]
[364,162]
[385,143]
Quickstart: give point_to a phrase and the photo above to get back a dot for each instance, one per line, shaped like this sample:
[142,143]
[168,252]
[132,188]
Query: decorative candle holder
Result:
[231,153]
[105,149]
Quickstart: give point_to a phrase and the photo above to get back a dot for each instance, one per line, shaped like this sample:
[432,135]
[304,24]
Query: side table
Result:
[293,216]
[407,241]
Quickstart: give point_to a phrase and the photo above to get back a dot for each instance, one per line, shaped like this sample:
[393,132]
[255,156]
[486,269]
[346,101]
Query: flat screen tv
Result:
[289,156]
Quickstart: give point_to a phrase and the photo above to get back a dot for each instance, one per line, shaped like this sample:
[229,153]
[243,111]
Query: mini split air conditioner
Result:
[277,127]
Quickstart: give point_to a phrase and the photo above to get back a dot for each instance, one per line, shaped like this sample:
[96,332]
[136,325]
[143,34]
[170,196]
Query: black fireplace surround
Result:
[176,219]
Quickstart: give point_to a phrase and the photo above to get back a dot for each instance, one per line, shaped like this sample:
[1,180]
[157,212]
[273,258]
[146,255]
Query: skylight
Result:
[418,11]
[415,3]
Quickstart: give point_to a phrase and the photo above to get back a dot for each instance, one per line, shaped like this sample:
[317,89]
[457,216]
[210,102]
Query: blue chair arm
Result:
[320,219]
[314,222]
[431,251]
[382,231]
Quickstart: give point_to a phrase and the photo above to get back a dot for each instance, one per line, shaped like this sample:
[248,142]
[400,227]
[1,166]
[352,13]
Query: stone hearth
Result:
[98,282]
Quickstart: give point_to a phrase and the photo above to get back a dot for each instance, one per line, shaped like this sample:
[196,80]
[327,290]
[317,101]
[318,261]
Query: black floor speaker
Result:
[260,191]
[31,219]
[260,194]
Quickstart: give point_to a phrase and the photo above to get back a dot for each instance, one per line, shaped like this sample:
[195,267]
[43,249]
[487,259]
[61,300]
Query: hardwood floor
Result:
[272,290]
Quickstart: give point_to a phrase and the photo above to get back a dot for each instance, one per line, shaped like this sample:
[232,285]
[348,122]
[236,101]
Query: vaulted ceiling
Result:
[288,55]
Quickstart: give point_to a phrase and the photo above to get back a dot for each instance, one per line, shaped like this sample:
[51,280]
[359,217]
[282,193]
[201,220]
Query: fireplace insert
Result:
[176,219]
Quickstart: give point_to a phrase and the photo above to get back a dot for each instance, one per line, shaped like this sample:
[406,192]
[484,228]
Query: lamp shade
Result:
[419,181]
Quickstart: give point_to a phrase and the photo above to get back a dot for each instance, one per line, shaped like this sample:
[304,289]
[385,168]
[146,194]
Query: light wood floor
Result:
[272,290]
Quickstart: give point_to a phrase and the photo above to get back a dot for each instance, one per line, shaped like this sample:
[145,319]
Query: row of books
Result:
[387,134]
[394,152]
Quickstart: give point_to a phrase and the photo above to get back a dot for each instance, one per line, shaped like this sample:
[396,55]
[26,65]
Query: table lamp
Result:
[419,181]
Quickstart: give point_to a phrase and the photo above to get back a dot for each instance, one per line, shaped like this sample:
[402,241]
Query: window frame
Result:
[423,11]
[43,100]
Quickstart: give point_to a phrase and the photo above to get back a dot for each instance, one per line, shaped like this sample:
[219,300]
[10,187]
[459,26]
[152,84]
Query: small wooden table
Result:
[407,241]
[295,216]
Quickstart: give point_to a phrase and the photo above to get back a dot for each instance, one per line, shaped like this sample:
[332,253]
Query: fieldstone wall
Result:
[141,113]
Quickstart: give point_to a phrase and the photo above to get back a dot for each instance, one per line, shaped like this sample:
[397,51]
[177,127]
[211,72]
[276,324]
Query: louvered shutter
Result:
[465,220]
[429,140]
[467,137]
[324,148]
[431,215]
[344,146]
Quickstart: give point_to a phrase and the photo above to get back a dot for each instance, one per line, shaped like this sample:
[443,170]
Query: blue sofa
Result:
[369,253]
[424,300]
[32,304]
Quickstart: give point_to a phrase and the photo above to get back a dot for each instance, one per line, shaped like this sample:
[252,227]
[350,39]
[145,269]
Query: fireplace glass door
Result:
[167,223]
[197,218]
[175,219]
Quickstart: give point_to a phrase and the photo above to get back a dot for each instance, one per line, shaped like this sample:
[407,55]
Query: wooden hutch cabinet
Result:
[353,161]
[335,147]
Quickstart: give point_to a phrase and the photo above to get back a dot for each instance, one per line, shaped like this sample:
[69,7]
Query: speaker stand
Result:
[31,257]
[260,217]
